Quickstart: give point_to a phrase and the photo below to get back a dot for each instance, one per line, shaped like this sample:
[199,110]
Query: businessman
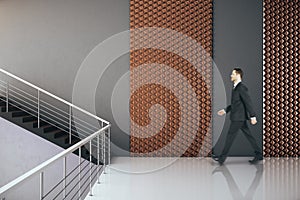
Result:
[241,110]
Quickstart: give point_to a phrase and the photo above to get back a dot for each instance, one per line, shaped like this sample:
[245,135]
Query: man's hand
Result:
[221,112]
[253,120]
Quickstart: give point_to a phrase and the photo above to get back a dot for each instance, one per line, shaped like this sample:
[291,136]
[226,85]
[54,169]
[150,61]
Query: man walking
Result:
[240,108]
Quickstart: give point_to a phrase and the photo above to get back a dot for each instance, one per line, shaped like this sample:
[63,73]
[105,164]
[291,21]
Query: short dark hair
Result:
[239,71]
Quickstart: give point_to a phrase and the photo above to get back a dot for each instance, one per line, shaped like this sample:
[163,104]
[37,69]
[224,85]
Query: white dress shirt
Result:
[235,84]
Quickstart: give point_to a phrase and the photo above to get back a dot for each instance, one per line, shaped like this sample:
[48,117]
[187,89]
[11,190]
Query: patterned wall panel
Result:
[281,78]
[171,77]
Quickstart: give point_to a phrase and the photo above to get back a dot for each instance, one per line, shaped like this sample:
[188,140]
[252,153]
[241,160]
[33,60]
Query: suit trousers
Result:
[235,126]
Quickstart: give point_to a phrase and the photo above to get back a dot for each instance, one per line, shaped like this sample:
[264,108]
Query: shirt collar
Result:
[235,84]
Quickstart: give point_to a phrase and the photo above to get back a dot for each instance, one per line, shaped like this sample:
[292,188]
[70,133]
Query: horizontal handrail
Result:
[12,86]
[2,91]
[29,110]
[66,118]
[64,112]
[45,164]
[49,192]
[52,95]
[53,107]
[14,93]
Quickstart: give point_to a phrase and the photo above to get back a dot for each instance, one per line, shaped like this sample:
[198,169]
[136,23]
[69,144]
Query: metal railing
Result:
[78,123]
[52,109]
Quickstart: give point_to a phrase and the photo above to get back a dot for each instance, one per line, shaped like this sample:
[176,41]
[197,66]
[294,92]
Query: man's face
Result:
[234,76]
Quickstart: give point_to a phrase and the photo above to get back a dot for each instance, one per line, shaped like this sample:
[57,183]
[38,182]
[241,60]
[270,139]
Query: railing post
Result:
[91,192]
[98,159]
[7,92]
[38,105]
[41,185]
[65,176]
[104,154]
[102,145]
[70,124]
[79,189]
[109,146]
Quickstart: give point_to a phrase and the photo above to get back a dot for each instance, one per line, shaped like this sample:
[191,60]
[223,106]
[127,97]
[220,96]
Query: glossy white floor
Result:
[199,178]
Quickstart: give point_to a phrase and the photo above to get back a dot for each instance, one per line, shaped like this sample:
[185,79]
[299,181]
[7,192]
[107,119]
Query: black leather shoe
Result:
[215,157]
[219,159]
[256,159]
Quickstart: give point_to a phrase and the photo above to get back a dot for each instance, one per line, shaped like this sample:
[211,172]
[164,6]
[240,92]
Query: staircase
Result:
[18,115]
[62,123]
[51,117]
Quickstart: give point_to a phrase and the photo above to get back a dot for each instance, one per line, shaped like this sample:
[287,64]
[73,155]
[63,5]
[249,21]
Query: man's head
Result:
[237,74]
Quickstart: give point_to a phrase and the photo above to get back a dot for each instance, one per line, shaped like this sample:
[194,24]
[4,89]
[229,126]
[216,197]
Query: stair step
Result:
[20,114]
[50,129]
[34,121]
[47,126]
[29,119]
[60,134]
[74,140]
[3,108]
[2,102]
[42,124]
[64,138]
[10,108]
[53,132]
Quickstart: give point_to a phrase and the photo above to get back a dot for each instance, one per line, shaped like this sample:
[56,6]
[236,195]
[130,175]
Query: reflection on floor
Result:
[199,178]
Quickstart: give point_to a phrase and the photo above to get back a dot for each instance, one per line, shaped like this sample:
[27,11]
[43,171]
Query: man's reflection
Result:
[233,187]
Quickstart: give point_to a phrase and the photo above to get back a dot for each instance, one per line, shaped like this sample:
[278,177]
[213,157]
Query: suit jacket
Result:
[241,105]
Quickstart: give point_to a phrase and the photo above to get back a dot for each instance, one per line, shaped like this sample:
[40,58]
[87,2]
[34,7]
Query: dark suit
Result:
[241,110]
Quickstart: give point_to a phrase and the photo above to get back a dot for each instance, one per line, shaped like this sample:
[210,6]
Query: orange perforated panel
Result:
[281,78]
[171,77]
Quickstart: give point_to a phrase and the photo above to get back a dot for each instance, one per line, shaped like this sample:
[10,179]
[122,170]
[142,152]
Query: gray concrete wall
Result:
[46,41]
[238,43]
